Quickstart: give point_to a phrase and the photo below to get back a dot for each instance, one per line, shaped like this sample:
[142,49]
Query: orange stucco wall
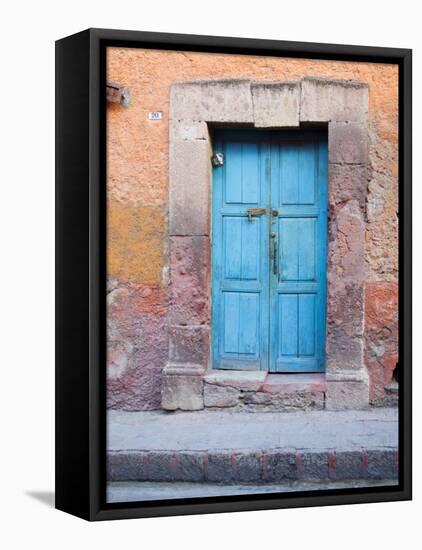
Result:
[137,188]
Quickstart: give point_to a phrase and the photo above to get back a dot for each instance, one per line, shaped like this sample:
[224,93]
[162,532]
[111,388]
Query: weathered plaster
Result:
[137,187]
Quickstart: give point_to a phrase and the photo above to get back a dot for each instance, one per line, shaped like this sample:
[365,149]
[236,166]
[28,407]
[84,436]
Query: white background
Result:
[27,37]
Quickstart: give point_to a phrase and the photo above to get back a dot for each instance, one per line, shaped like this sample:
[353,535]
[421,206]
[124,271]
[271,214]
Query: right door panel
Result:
[298,253]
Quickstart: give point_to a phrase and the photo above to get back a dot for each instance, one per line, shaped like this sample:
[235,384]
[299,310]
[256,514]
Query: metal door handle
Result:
[274,251]
[255,212]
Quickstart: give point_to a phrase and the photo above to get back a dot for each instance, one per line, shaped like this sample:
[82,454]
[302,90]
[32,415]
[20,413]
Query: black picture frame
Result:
[81,274]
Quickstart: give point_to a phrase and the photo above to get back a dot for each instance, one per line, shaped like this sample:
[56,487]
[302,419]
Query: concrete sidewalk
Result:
[133,491]
[259,447]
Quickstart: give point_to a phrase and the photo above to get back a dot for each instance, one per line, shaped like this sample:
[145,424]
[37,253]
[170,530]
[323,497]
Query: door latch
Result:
[217,159]
[255,212]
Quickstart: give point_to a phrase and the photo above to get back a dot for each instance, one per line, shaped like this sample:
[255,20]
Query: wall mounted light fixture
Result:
[116,93]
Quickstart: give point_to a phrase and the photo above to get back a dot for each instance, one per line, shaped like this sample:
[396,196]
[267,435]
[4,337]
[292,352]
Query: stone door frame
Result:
[194,106]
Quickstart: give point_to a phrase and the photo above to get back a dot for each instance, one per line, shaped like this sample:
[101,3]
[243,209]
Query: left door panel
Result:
[240,253]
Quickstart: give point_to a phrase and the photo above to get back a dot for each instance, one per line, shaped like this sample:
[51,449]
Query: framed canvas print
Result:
[233,274]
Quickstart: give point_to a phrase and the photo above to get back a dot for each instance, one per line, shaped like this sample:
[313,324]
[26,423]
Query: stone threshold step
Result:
[258,466]
[259,390]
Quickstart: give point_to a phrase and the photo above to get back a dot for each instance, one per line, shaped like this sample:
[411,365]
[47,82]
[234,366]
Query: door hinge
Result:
[217,159]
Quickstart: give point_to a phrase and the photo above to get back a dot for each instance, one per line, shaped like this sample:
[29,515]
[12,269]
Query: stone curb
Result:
[267,466]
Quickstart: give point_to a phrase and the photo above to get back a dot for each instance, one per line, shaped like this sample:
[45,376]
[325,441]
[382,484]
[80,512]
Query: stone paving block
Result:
[161,466]
[276,104]
[219,467]
[280,465]
[248,467]
[382,464]
[312,465]
[127,466]
[349,465]
[190,466]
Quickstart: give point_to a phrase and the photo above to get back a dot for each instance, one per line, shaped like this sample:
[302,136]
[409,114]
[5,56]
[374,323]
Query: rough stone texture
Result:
[276,104]
[220,100]
[189,265]
[347,183]
[137,187]
[343,393]
[349,465]
[382,463]
[189,206]
[259,467]
[312,465]
[161,466]
[248,467]
[345,328]
[347,143]
[258,398]
[242,380]
[189,344]
[188,130]
[337,101]
[345,305]
[260,391]
[190,467]
[382,209]
[284,401]
[130,466]
[220,396]
[381,337]
[219,467]
[279,465]
[183,392]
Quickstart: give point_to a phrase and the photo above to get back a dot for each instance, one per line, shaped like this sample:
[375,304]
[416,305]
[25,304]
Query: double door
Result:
[269,225]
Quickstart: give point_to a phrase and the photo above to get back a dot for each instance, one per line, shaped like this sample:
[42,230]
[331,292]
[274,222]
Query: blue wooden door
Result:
[269,250]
